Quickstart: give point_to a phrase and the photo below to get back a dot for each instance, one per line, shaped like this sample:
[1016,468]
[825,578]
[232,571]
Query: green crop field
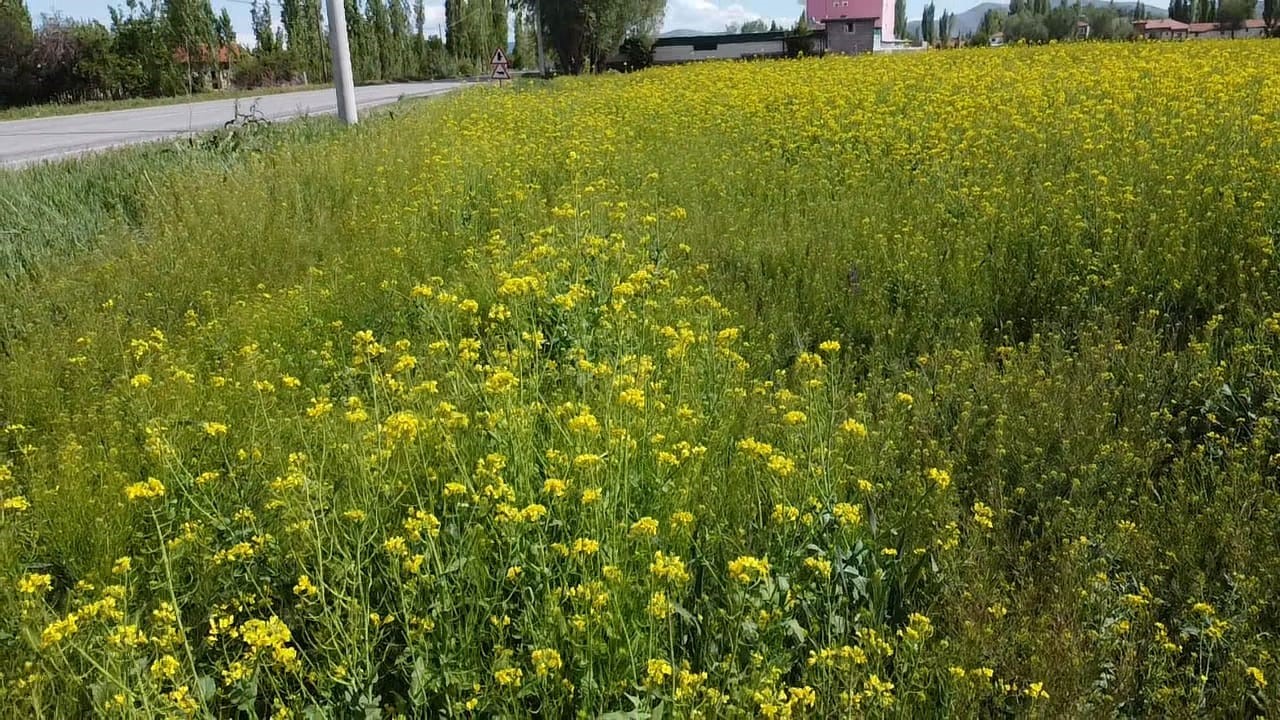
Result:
[898,386]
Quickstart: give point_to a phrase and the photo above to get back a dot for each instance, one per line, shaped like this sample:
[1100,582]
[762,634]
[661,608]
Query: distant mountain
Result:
[684,33]
[970,20]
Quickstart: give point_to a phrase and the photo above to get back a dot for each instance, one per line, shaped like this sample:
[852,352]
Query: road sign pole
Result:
[340,48]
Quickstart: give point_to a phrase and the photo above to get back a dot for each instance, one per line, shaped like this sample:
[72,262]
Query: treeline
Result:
[168,47]
[1037,21]
[1231,13]
[157,49]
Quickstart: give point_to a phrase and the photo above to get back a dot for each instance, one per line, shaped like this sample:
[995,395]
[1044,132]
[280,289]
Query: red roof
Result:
[1251,24]
[826,10]
[1162,25]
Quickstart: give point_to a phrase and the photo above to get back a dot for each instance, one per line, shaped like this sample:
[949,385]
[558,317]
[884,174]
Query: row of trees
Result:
[937,32]
[169,47]
[753,26]
[157,48]
[474,28]
[582,33]
[1029,20]
[1035,21]
[1231,13]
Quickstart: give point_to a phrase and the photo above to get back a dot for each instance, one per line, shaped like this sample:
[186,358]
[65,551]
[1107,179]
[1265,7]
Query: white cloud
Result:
[710,16]
[434,20]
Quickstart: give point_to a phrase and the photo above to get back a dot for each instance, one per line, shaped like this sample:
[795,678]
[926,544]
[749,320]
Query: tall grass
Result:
[55,211]
[884,386]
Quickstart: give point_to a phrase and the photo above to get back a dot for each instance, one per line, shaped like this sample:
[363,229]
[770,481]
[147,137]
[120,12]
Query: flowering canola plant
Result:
[886,386]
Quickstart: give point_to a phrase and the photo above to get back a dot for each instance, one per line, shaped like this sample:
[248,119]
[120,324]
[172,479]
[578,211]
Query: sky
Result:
[705,15]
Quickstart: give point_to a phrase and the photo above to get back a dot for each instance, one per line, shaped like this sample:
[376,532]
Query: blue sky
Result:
[708,15]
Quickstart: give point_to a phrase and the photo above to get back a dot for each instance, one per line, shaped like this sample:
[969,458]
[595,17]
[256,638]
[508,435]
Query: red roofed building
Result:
[1250,28]
[226,55]
[1162,29]
[202,62]
[1174,30]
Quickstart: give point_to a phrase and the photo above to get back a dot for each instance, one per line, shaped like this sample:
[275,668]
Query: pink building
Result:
[853,26]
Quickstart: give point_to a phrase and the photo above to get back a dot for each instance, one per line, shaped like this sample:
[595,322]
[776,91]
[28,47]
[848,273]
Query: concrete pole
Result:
[341,51]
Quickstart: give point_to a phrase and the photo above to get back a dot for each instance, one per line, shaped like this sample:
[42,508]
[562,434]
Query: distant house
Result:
[1208,31]
[1163,29]
[851,27]
[1174,30]
[219,73]
[996,39]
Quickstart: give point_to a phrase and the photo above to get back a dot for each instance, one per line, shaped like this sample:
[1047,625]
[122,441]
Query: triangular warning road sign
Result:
[500,72]
[499,57]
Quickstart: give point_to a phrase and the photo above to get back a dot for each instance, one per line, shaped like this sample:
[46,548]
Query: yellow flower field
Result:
[914,386]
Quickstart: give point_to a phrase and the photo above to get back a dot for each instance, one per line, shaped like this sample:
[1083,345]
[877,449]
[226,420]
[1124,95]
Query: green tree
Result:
[16,39]
[992,22]
[263,34]
[301,22]
[190,26]
[451,19]
[928,27]
[900,19]
[377,39]
[498,21]
[1060,22]
[1271,16]
[1233,13]
[582,33]
[1026,26]
[139,39]
[524,54]
[398,45]
[226,32]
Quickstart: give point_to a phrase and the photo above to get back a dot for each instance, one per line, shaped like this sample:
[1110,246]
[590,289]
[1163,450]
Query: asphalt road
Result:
[23,142]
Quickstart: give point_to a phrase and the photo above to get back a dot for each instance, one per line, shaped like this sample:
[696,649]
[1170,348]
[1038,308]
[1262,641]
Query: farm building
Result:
[719,47]
[1251,28]
[1161,29]
[852,26]
[847,27]
[1174,30]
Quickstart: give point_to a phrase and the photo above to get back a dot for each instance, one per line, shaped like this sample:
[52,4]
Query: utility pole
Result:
[537,30]
[341,49]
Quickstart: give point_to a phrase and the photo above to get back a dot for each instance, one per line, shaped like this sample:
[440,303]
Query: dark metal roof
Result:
[721,38]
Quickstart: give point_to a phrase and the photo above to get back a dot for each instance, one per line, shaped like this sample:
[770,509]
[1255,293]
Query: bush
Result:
[638,53]
[275,67]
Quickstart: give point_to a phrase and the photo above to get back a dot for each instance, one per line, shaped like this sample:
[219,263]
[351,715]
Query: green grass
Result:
[725,390]
[57,210]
